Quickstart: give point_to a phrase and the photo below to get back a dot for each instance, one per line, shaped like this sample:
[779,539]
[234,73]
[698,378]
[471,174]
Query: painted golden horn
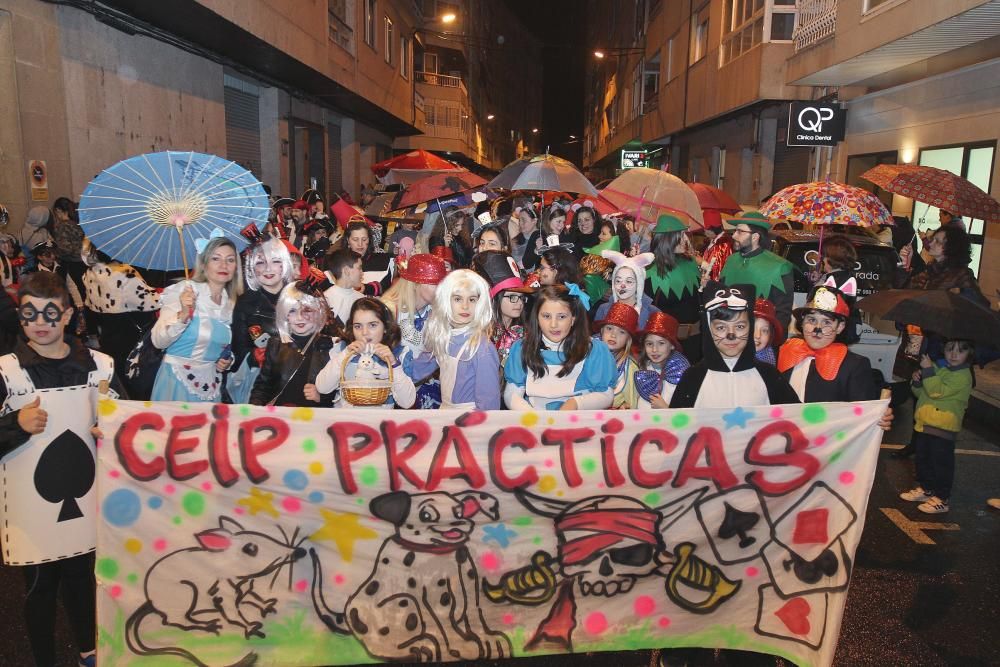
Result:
[695,573]
[531,585]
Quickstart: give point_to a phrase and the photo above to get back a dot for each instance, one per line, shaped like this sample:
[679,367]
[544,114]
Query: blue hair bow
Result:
[575,290]
[200,244]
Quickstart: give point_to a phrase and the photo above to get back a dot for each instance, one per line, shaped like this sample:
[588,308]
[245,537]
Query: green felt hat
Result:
[669,223]
[751,219]
[611,244]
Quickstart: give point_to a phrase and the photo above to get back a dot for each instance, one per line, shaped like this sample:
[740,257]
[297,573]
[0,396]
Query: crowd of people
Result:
[518,304]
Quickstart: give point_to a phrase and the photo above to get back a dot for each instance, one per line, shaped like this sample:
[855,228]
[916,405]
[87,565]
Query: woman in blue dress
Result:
[194,327]
[557,365]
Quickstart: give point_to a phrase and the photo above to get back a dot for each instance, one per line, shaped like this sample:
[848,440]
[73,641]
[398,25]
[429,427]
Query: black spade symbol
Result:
[64,473]
[737,522]
[809,572]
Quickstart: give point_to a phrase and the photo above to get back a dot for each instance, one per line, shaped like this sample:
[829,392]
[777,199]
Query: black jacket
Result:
[253,308]
[854,382]
[278,376]
[45,373]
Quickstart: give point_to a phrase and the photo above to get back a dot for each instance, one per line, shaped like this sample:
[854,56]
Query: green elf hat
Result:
[611,244]
[751,219]
[669,223]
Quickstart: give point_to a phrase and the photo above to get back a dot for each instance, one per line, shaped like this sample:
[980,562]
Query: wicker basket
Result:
[364,392]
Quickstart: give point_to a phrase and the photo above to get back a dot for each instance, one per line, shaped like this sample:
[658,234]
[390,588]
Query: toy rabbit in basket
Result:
[366,366]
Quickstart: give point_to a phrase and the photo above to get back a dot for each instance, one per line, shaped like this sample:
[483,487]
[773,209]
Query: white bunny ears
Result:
[641,260]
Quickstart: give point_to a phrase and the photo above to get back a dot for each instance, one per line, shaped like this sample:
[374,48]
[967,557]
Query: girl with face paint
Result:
[627,280]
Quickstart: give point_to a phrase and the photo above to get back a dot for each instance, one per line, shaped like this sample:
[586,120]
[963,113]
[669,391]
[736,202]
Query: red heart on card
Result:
[795,615]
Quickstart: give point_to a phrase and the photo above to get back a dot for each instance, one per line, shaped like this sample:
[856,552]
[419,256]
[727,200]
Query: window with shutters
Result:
[242,110]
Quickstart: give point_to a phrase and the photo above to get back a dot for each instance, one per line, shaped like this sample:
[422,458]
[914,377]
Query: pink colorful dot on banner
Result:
[847,477]
[644,605]
[595,623]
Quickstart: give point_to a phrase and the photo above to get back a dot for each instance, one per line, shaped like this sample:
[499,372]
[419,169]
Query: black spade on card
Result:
[809,572]
[65,472]
[738,523]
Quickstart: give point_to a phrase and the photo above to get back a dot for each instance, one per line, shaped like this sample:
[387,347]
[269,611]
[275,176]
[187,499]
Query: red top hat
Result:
[621,315]
[252,234]
[444,252]
[764,309]
[424,269]
[662,324]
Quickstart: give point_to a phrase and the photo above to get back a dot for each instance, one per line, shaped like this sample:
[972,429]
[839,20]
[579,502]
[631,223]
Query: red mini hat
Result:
[620,315]
[662,324]
[764,309]
[300,205]
[424,269]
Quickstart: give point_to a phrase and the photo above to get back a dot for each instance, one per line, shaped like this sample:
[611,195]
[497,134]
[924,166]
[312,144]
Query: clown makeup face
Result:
[731,337]
[957,352]
[489,240]
[511,305]
[43,320]
[546,273]
[269,273]
[625,286]
[425,294]
[367,327]
[616,338]
[761,334]
[657,348]
[303,320]
[820,329]
[358,241]
[463,306]
[555,319]
[585,222]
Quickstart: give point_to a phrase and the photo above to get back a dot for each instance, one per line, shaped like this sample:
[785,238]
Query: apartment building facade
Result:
[304,93]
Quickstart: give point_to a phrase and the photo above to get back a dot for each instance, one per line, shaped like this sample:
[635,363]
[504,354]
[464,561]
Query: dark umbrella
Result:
[543,172]
[939,311]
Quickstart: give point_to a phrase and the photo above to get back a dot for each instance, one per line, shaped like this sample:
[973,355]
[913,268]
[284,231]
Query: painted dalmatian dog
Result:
[421,602]
[118,288]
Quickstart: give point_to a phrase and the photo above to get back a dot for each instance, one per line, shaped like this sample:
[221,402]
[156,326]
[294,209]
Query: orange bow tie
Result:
[827,360]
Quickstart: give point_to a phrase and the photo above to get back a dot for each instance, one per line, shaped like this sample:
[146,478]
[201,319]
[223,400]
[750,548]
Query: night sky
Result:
[560,27]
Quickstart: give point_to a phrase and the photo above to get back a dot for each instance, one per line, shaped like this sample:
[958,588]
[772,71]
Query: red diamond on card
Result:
[810,527]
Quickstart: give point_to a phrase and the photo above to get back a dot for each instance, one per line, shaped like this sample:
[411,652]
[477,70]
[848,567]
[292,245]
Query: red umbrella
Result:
[419,159]
[439,186]
[937,187]
[714,199]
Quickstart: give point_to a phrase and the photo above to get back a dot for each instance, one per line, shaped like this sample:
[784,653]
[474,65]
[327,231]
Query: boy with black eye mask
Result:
[729,375]
[49,391]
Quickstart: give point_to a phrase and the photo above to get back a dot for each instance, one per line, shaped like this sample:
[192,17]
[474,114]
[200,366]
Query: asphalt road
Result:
[910,603]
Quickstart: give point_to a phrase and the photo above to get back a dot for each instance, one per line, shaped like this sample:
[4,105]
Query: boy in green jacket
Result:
[942,396]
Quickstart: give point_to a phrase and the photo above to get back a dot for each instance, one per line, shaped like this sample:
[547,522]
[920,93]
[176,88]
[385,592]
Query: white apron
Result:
[549,388]
[448,366]
[49,483]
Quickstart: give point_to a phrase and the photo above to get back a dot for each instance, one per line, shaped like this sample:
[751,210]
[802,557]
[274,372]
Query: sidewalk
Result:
[984,404]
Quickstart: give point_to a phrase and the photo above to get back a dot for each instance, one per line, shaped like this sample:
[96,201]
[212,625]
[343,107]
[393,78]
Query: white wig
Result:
[293,298]
[439,325]
[265,252]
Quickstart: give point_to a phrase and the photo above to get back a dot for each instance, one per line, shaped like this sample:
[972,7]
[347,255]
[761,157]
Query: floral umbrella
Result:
[936,187]
[827,203]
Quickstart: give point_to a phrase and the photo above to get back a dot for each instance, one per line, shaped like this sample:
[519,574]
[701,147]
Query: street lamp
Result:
[490,117]
[448,18]
[534,130]
[598,54]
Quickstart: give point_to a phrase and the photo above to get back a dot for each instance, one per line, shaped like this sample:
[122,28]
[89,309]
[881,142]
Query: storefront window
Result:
[971,161]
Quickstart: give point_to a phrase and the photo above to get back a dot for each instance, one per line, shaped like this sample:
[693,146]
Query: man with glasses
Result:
[752,263]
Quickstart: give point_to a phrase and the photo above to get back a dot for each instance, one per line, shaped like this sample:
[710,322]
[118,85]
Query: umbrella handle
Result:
[187,273]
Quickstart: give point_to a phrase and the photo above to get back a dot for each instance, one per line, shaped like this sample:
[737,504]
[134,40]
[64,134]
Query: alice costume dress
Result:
[468,378]
[403,394]
[591,383]
[191,348]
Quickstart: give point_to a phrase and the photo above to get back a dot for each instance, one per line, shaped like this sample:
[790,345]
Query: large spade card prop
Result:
[48,484]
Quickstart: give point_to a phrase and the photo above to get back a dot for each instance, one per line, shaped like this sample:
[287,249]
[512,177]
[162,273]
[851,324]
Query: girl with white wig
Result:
[294,357]
[457,343]
[267,269]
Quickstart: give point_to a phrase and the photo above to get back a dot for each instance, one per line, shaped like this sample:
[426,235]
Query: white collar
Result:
[552,345]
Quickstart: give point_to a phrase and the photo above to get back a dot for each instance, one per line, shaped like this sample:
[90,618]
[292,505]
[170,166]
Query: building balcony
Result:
[817,21]
[443,80]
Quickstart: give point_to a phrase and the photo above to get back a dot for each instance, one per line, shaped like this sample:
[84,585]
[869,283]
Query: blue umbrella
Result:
[150,209]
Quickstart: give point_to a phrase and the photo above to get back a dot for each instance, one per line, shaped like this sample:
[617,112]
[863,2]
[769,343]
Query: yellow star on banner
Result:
[258,501]
[343,530]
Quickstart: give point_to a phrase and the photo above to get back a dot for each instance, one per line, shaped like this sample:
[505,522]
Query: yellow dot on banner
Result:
[546,483]
[302,414]
[529,419]
[133,545]
[550,421]
[106,407]
[316,468]
[147,404]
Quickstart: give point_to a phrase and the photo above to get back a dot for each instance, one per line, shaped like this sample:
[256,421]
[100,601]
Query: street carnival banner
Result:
[297,536]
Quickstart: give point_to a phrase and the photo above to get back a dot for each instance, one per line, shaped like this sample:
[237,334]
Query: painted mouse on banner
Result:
[421,602]
[206,587]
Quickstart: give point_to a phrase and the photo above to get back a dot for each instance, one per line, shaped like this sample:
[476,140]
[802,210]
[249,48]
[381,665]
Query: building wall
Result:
[956,108]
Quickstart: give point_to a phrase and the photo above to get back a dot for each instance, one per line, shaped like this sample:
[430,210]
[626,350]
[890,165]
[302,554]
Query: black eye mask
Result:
[51,313]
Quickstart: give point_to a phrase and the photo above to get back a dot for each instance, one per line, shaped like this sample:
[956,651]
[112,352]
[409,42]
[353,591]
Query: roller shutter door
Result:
[243,124]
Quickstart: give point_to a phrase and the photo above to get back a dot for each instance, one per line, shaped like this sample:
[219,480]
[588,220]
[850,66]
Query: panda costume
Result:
[718,381]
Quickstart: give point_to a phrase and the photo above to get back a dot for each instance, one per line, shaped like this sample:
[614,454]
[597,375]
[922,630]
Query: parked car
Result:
[873,272]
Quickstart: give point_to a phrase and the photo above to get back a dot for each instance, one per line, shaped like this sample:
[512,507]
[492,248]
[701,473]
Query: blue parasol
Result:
[148,210]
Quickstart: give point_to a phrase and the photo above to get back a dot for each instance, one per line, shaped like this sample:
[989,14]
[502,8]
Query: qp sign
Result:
[816,124]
